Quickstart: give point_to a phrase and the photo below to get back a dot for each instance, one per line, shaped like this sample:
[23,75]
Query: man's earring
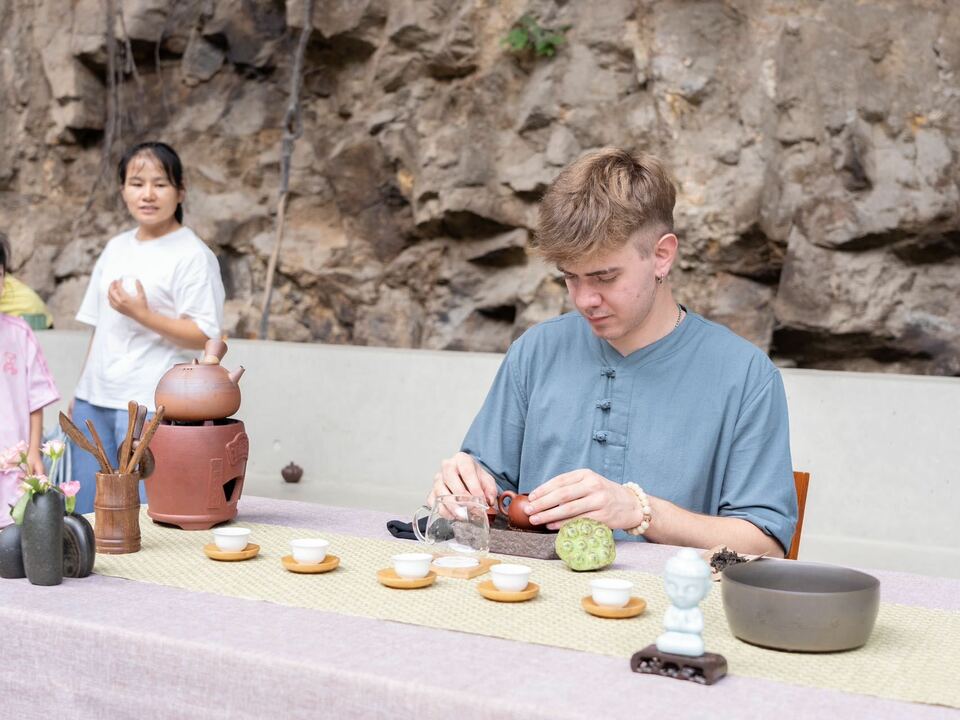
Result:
[659,279]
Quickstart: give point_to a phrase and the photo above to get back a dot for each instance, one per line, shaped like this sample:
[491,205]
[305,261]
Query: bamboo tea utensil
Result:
[145,440]
[124,458]
[74,433]
[96,439]
[138,425]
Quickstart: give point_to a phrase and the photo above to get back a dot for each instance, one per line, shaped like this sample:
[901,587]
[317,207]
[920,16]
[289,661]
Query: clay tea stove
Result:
[200,451]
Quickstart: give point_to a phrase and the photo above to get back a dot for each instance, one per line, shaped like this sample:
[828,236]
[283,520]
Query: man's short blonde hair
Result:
[600,202]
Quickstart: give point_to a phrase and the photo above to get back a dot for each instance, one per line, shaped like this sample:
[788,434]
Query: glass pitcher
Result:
[455,523]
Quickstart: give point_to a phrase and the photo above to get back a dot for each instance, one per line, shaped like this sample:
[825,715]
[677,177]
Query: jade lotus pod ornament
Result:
[585,544]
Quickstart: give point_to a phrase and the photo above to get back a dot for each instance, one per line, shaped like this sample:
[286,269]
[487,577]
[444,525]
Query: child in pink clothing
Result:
[26,387]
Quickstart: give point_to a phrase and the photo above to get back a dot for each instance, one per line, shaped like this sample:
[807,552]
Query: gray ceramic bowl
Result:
[804,607]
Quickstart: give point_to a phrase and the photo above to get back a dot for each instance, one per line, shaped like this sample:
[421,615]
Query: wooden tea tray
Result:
[464,573]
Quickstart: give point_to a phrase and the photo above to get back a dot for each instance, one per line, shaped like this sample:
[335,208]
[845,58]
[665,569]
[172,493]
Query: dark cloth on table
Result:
[404,530]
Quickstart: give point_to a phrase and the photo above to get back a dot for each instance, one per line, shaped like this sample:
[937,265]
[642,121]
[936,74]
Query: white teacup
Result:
[412,565]
[510,578]
[611,592]
[309,551]
[231,539]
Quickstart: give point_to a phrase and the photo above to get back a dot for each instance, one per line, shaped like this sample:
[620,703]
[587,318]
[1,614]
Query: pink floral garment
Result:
[25,385]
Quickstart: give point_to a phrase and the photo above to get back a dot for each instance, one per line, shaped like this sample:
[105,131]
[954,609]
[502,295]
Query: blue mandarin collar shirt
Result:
[698,418]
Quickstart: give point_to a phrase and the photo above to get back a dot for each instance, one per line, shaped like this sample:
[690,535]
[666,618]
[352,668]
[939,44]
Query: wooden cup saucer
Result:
[635,606]
[215,553]
[490,592]
[328,564]
[389,577]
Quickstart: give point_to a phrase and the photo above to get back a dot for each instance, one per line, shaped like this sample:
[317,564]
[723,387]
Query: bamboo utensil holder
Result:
[117,513]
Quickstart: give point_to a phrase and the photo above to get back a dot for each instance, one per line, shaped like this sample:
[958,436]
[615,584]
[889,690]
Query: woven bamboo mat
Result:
[912,655]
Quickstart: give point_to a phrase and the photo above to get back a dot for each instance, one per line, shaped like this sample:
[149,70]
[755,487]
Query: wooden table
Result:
[107,647]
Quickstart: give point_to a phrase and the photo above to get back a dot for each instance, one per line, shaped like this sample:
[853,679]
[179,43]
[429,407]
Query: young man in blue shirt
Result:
[632,410]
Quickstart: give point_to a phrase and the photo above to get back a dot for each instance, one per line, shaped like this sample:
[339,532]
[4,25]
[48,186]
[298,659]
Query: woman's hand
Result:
[134,307]
[35,461]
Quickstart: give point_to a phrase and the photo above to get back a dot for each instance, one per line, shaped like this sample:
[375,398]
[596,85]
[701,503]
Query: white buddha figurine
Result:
[687,580]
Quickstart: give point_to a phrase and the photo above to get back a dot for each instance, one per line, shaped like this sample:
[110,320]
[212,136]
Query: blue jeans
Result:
[111,426]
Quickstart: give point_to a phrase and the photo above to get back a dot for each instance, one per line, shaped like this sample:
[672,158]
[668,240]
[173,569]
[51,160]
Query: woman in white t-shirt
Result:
[154,298]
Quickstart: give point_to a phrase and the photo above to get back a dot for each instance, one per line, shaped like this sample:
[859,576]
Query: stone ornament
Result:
[679,652]
[687,581]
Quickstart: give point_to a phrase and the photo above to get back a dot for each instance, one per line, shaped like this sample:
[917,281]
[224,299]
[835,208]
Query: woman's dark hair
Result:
[4,251]
[166,156]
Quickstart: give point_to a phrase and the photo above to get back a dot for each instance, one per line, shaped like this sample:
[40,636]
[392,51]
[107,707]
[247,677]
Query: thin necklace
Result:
[679,316]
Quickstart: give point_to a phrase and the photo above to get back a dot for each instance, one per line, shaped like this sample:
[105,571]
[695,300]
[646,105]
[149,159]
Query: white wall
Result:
[369,425]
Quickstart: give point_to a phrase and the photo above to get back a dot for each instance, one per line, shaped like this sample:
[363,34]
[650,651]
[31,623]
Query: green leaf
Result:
[528,33]
[546,49]
[17,511]
[517,39]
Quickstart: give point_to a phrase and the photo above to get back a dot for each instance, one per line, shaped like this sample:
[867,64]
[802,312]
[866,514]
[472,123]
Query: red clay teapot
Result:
[201,390]
[512,505]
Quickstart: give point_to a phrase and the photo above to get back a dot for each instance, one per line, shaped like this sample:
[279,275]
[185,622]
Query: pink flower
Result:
[53,448]
[70,488]
[11,457]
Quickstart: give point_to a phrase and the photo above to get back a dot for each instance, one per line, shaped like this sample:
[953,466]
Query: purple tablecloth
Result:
[116,648]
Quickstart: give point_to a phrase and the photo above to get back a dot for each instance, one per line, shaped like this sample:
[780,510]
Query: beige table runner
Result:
[913,654]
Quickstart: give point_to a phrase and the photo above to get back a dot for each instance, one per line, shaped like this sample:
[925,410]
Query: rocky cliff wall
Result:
[814,145]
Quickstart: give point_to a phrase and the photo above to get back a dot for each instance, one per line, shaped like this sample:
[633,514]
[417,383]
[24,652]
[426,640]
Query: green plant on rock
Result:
[585,544]
[528,36]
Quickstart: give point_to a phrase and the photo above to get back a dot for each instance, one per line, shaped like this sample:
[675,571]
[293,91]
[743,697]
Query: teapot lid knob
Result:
[213,351]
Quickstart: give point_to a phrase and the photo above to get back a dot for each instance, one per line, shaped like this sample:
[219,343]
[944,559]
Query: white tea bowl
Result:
[309,551]
[510,578]
[231,539]
[610,592]
[412,565]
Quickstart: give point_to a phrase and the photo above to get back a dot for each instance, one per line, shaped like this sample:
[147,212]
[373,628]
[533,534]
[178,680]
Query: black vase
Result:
[11,559]
[42,538]
[79,546]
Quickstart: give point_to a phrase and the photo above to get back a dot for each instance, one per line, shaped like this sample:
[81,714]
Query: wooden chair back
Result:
[801,480]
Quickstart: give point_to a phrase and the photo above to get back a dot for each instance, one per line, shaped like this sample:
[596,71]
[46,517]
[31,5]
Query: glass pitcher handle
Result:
[416,523]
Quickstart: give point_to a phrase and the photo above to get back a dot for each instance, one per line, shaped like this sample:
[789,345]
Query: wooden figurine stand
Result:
[705,669]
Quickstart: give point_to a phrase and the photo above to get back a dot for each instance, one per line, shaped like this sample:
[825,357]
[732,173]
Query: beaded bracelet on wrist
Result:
[644,506]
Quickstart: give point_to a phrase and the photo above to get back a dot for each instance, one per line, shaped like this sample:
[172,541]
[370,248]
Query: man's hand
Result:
[583,493]
[133,306]
[463,475]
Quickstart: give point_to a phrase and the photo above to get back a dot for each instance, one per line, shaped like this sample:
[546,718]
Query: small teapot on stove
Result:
[201,390]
